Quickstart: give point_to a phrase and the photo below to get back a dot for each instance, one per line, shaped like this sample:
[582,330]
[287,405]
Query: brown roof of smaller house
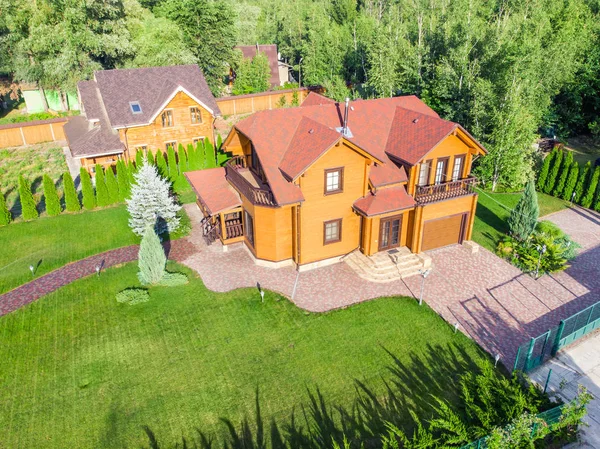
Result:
[270,51]
[90,99]
[86,139]
[314,99]
[213,190]
[384,201]
[152,88]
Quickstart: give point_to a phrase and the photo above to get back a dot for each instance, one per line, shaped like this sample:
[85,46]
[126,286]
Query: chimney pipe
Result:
[345,127]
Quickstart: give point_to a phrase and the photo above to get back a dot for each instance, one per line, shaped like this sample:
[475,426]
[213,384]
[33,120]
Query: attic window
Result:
[135,107]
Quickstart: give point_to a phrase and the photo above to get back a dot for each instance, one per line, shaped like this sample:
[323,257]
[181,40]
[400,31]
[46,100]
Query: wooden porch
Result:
[226,226]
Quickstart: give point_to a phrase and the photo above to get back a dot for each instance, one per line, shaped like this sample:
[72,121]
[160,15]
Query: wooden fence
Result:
[246,104]
[27,133]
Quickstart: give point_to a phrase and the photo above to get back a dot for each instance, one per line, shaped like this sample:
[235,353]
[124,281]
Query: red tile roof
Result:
[270,51]
[314,99]
[402,127]
[387,173]
[310,141]
[213,190]
[384,201]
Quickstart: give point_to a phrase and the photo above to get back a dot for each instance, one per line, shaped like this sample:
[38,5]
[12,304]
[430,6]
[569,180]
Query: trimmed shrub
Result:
[112,185]
[151,258]
[139,159]
[588,198]
[191,156]
[222,157]
[123,181]
[101,189]
[51,197]
[173,279]
[543,175]
[5,215]
[553,173]
[219,142]
[582,182]
[133,296]
[131,171]
[200,157]
[183,160]
[523,217]
[71,197]
[571,181]
[89,199]
[28,205]
[150,157]
[563,173]
[161,164]
[209,155]
[172,162]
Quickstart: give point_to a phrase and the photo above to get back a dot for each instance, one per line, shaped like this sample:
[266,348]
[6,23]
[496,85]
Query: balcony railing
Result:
[233,230]
[256,195]
[444,191]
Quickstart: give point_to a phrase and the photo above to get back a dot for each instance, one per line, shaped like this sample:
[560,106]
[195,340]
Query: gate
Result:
[533,353]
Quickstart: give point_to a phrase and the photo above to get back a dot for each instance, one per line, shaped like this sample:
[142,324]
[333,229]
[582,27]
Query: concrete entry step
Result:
[385,266]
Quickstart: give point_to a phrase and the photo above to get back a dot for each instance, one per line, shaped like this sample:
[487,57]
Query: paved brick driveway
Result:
[494,303]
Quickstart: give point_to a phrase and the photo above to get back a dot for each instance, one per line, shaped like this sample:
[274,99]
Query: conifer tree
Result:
[71,197]
[200,156]
[87,191]
[571,181]
[553,173]
[51,197]
[150,157]
[588,198]
[596,201]
[28,205]
[101,189]
[563,174]
[582,182]
[123,181]
[139,159]
[209,155]
[112,185]
[172,162]
[161,164]
[151,258]
[183,160]
[191,156]
[219,142]
[523,217]
[543,175]
[151,203]
[5,215]
[131,170]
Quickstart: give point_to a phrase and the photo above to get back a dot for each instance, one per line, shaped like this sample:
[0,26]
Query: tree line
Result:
[505,70]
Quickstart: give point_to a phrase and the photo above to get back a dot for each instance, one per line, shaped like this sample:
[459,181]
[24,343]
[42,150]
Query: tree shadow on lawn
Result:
[406,387]
[487,216]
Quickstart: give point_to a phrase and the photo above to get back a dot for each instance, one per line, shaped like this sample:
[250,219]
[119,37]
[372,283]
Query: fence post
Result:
[517,359]
[590,315]
[559,332]
[529,354]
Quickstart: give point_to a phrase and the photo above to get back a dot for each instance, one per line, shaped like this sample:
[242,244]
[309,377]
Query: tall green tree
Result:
[582,182]
[553,173]
[101,189]
[172,160]
[523,217]
[123,181]
[543,174]
[139,158]
[563,174]
[51,196]
[150,157]
[5,215]
[151,258]
[182,160]
[571,181]
[71,197]
[588,198]
[28,204]
[252,75]
[161,164]
[209,155]
[112,185]
[87,190]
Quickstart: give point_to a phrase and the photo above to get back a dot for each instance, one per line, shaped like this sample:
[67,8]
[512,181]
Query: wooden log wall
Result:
[28,133]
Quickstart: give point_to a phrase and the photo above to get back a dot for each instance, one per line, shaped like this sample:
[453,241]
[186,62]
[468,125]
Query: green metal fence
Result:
[550,417]
[539,349]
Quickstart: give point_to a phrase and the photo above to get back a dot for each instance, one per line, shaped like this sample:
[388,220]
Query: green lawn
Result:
[80,370]
[494,208]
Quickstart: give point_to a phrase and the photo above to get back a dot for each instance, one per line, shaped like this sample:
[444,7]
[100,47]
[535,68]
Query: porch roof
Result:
[384,201]
[213,190]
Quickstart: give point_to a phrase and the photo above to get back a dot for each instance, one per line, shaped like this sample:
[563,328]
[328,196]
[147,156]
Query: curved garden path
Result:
[178,250]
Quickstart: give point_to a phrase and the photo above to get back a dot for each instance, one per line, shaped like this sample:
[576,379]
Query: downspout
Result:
[298,235]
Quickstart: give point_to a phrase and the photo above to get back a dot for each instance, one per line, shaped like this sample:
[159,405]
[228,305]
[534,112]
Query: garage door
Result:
[443,231]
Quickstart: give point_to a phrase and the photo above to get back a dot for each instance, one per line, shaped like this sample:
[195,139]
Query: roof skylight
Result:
[135,107]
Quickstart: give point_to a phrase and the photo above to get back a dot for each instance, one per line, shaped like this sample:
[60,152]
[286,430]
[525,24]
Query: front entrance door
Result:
[389,232]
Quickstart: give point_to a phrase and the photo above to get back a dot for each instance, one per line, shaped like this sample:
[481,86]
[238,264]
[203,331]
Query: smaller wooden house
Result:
[146,109]
[309,185]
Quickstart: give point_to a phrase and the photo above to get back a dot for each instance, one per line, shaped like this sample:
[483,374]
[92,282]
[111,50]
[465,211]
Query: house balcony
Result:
[248,183]
[445,190]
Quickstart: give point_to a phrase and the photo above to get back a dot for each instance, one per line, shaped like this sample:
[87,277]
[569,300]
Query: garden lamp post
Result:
[32,269]
[98,270]
[424,274]
[542,251]
[262,296]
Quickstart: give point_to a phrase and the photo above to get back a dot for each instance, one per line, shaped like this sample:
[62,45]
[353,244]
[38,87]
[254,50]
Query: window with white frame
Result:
[424,168]
[195,115]
[334,180]
[458,168]
[167,118]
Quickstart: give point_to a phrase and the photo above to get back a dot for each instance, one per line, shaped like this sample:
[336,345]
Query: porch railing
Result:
[444,191]
[256,195]
[233,230]
[211,231]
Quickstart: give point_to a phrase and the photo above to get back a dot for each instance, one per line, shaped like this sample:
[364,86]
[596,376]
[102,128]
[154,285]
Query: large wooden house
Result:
[308,185]
[145,109]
